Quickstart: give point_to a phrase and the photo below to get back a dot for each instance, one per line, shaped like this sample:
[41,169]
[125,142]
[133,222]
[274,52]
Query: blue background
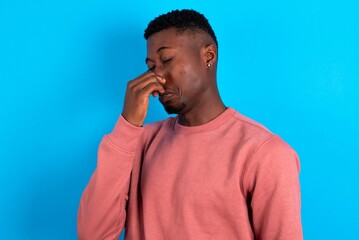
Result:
[291,65]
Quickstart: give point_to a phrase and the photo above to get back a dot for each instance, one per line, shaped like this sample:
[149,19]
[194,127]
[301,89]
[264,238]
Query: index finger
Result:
[146,75]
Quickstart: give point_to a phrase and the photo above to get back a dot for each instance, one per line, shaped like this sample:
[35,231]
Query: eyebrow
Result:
[158,50]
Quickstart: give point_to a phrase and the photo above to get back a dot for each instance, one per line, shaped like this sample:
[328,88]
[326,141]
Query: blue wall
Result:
[291,65]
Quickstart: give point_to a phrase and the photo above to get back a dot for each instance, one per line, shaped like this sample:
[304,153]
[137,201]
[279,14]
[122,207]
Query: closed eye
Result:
[167,60]
[163,61]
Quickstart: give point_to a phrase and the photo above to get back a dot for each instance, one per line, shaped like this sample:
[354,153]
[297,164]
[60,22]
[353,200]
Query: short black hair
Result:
[183,20]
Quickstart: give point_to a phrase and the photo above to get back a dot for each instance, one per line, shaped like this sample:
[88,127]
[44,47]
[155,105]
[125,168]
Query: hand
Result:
[137,96]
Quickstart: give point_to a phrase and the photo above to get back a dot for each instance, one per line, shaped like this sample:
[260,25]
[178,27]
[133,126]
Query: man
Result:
[208,173]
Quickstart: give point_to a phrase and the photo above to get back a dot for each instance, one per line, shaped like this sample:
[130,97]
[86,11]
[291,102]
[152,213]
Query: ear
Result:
[210,55]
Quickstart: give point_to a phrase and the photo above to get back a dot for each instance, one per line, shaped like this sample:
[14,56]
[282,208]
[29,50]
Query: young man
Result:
[209,173]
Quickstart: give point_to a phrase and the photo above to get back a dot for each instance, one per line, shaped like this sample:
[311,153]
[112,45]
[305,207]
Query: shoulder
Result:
[275,148]
[266,139]
[268,146]
[152,129]
[265,147]
[250,124]
[248,130]
[155,126]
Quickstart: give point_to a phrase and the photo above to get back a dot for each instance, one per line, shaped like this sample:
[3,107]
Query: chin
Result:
[174,109]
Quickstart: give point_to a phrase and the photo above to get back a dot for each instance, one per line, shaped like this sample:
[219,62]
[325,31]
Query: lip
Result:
[165,97]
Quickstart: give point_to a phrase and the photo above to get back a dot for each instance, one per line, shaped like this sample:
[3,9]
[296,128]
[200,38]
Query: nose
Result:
[160,71]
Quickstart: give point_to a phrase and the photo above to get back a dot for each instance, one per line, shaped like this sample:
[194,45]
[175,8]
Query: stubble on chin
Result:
[177,109]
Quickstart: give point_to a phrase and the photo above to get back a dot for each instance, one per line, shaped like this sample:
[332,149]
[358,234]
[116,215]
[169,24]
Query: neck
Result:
[202,113]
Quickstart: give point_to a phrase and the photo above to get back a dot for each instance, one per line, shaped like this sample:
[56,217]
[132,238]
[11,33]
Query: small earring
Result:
[208,65]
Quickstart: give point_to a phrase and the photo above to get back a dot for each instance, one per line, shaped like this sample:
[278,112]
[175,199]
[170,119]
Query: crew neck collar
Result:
[213,124]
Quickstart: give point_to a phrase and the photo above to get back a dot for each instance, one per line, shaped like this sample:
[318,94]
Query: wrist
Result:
[131,121]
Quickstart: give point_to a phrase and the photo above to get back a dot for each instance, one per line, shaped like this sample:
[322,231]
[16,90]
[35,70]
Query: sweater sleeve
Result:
[102,210]
[273,192]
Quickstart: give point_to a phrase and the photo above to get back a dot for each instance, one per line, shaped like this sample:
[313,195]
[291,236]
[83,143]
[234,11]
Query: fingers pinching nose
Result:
[160,79]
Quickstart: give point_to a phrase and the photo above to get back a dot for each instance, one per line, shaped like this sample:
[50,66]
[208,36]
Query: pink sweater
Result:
[228,179]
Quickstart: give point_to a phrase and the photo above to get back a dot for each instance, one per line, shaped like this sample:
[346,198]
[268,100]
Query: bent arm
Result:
[102,210]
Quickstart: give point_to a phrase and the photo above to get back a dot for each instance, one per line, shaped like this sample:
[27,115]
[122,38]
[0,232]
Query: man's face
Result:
[179,59]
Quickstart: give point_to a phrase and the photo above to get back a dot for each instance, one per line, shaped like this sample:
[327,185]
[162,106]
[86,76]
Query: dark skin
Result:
[180,76]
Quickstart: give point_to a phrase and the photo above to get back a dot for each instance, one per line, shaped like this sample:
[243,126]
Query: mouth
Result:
[166,97]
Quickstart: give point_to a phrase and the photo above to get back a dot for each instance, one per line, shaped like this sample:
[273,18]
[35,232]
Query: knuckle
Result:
[129,85]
